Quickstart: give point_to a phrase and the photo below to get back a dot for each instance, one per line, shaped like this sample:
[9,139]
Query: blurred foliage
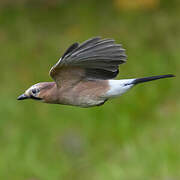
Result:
[134,137]
[137,4]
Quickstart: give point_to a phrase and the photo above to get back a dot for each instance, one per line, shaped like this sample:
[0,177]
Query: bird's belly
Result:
[82,101]
[89,102]
[85,94]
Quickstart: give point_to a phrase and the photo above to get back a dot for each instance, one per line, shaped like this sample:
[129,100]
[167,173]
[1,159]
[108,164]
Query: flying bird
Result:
[84,76]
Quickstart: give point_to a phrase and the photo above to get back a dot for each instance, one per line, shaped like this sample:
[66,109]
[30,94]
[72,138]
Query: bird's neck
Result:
[49,92]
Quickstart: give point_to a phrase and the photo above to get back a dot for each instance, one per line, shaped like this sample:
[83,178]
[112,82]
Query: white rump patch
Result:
[119,87]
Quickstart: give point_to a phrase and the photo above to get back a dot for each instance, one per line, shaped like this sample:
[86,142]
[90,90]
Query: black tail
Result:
[146,79]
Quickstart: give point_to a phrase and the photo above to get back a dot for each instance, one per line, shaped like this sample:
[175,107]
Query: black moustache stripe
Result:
[36,98]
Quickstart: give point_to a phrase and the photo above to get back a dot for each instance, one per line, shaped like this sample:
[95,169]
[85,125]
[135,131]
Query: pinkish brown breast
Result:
[84,94]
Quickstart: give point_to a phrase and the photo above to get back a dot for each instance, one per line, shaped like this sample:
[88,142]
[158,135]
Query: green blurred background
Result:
[134,137]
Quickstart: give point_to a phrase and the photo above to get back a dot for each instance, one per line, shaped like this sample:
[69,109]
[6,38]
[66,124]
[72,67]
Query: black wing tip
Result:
[70,49]
[101,74]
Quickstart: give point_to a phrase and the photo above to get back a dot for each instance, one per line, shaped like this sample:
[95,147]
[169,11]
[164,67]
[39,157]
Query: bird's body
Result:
[84,94]
[84,76]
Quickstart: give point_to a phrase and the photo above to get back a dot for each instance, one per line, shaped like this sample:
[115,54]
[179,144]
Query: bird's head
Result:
[37,92]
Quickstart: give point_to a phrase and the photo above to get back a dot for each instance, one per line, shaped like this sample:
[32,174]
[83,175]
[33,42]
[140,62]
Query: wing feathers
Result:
[98,50]
[100,58]
[95,47]
[89,43]
[100,74]
[70,49]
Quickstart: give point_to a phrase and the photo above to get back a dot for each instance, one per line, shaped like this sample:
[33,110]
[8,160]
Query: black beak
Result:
[22,97]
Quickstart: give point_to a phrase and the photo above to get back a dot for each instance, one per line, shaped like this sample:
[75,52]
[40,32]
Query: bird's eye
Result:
[34,91]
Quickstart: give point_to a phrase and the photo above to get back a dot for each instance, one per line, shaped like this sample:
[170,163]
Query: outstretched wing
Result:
[96,58]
